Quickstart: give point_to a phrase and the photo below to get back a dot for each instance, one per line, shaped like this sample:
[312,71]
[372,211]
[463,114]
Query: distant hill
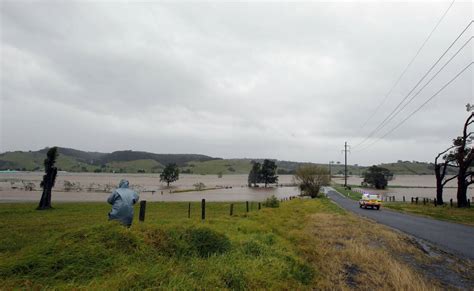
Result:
[73,160]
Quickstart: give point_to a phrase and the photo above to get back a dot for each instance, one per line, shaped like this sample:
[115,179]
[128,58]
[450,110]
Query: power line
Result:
[408,66]
[419,108]
[429,81]
[384,122]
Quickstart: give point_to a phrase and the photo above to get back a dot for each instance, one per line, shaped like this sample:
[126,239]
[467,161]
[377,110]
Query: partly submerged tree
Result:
[268,172]
[440,173]
[310,178]
[254,174]
[463,155]
[377,177]
[170,174]
[49,178]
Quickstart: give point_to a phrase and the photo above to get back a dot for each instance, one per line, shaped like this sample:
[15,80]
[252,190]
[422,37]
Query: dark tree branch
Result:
[449,179]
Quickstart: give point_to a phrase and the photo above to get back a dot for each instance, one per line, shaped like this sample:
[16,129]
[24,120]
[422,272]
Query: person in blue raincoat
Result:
[122,200]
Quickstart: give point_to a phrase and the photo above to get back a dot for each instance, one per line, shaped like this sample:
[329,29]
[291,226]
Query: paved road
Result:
[455,237]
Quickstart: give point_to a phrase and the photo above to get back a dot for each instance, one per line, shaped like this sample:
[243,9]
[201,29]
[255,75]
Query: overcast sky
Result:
[290,81]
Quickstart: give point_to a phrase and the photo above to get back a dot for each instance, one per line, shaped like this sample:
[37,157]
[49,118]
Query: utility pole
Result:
[345,163]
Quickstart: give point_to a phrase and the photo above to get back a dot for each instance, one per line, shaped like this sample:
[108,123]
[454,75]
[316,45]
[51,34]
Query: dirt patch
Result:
[351,272]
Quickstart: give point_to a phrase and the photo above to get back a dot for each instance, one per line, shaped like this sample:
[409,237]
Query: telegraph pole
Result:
[345,163]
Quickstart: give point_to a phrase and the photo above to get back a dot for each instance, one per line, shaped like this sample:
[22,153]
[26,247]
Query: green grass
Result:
[74,246]
[445,212]
[348,193]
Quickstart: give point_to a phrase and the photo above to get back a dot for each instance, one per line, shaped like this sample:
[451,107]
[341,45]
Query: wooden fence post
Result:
[203,209]
[416,200]
[259,206]
[451,202]
[411,200]
[231,209]
[141,215]
[403,198]
[189,210]
[435,202]
[247,204]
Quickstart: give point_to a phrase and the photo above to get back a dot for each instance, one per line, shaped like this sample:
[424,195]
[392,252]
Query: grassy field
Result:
[445,212]
[303,244]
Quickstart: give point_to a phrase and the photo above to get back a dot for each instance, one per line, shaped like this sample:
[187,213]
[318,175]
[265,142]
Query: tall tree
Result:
[268,172]
[440,173]
[463,154]
[49,178]
[377,177]
[170,174]
[255,174]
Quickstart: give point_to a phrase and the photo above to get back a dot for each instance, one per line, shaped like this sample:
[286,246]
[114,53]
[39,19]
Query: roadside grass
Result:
[444,212]
[304,244]
[348,193]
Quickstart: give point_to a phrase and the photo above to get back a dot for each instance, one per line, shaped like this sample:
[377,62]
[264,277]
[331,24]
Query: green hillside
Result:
[233,166]
[72,160]
[138,166]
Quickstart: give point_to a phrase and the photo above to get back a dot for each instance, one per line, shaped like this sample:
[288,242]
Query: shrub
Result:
[271,202]
[199,186]
[181,242]
[310,179]
[30,186]
[206,242]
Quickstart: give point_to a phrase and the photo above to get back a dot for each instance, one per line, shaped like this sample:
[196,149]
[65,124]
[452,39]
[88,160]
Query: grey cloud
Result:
[290,81]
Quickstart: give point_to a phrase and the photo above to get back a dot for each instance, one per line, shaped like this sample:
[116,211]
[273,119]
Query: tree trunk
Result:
[45,202]
[439,193]
[439,183]
[462,189]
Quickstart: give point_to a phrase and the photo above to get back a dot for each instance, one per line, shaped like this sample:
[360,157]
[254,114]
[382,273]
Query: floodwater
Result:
[97,187]
[422,186]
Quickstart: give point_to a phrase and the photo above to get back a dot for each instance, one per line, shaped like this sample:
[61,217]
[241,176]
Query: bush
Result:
[199,186]
[272,202]
[179,242]
[207,242]
[310,179]
[30,186]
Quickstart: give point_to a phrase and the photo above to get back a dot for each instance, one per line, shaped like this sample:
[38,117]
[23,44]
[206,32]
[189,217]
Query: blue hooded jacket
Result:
[122,200]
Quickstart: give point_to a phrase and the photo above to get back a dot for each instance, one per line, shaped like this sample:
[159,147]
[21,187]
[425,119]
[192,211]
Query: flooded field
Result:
[25,186]
[97,187]
[423,186]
